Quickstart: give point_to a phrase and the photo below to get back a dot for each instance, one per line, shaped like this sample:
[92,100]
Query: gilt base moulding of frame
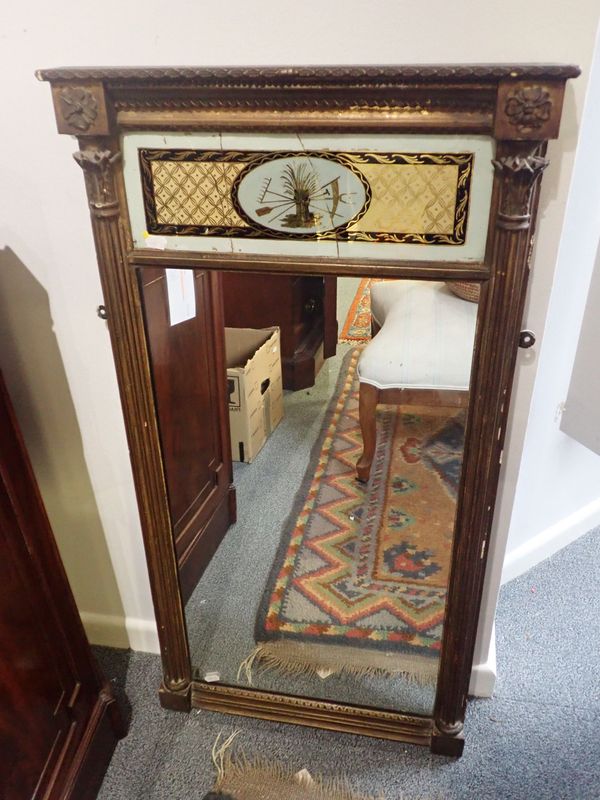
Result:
[517,106]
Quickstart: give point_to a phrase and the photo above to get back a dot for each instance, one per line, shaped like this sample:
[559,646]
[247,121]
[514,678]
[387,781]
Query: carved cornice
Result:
[520,172]
[467,103]
[503,98]
[97,166]
[289,77]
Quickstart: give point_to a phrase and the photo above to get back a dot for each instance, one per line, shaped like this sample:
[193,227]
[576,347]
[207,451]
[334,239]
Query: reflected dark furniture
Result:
[59,722]
[188,370]
[304,308]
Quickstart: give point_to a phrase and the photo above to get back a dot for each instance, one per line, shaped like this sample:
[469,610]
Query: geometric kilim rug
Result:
[366,567]
[357,327]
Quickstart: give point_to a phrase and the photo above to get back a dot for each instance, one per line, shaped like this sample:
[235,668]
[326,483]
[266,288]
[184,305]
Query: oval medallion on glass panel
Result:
[301,195]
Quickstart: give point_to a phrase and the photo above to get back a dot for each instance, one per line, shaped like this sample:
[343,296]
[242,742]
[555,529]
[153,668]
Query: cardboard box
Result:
[254,387]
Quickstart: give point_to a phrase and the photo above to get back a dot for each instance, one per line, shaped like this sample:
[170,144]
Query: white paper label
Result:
[323,672]
[212,677]
[155,242]
[304,778]
[182,298]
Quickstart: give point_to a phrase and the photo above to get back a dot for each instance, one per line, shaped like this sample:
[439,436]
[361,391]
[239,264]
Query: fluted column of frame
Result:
[518,167]
[100,160]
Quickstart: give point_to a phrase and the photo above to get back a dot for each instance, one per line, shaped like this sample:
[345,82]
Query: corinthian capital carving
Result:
[97,166]
[520,172]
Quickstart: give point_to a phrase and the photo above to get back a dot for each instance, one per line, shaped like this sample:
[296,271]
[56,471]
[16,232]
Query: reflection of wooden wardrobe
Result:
[59,722]
[188,372]
[303,306]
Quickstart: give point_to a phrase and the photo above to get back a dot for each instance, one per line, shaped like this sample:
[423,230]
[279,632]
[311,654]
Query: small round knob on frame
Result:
[102,312]
[526,339]
[311,306]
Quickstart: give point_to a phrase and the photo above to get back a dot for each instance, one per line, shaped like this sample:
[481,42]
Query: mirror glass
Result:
[312,432]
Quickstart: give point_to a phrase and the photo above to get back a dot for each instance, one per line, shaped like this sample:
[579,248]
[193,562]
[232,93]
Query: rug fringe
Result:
[220,752]
[245,667]
[294,658]
[238,772]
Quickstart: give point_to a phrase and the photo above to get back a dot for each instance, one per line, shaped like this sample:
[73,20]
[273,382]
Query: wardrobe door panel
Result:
[188,370]
[35,688]
[58,719]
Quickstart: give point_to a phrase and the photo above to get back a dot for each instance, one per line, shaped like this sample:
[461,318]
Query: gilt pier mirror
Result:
[314,280]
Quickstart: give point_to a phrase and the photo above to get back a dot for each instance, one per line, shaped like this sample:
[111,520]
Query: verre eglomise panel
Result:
[381,196]
[329,586]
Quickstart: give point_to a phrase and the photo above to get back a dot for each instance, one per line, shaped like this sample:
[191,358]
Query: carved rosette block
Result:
[526,110]
[528,107]
[81,109]
[100,164]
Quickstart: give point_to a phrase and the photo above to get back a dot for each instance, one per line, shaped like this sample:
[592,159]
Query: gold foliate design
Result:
[418,198]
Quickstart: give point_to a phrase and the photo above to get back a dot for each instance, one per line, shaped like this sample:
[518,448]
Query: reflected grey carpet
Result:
[536,739]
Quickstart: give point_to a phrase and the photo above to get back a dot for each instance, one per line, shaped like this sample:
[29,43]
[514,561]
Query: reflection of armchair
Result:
[421,353]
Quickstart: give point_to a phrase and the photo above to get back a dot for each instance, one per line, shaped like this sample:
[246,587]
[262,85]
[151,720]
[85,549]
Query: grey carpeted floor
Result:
[536,739]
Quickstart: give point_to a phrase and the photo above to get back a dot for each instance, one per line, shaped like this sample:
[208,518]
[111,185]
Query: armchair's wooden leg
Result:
[367,407]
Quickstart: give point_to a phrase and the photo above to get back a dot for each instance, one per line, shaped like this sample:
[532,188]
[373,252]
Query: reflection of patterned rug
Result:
[357,327]
[368,566]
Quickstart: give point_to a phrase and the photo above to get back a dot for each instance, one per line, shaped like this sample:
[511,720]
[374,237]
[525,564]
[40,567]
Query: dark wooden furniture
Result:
[188,373]
[303,307]
[518,108]
[59,721]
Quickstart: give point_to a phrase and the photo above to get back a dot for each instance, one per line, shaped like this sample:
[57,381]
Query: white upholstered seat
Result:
[425,340]
[421,354]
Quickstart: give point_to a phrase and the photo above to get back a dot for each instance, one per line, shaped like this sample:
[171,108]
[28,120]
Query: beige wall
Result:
[33,369]
[45,231]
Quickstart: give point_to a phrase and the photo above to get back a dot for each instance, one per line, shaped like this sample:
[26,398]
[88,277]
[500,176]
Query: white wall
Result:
[43,218]
[550,486]
[581,417]
[558,490]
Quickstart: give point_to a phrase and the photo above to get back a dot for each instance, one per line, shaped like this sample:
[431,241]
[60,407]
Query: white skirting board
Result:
[536,550]
[114,631]
[483,676]
[550,541]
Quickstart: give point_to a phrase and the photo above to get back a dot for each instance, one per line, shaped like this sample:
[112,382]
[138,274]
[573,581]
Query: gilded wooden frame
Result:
[520,107]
